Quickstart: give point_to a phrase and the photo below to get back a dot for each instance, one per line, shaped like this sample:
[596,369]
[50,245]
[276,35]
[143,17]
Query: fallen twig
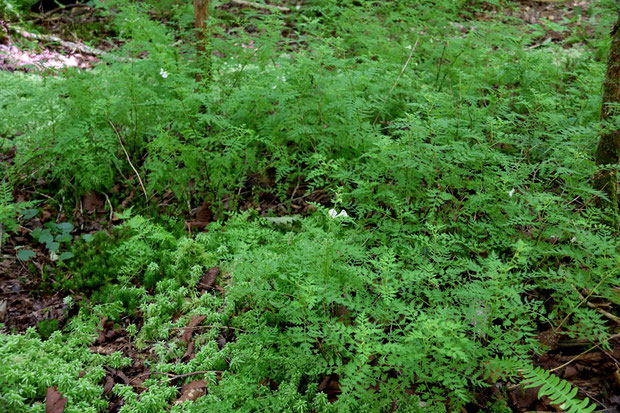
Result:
[66,7]
[71,45]
[174,377]
[597,307]
[261,6]
[118,135]
[585,352]
[110,205]
[202,327]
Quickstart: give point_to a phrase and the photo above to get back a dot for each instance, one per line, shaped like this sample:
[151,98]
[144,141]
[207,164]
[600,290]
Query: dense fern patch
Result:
[393,201]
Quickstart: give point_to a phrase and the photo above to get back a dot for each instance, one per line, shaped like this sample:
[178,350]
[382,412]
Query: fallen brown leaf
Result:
[101,331]
[54,402]
[221,341]
[189,353]
[192,391]
[109,384]
[92,203]
[203,215]
[330,385]
[207,280]
[189,330]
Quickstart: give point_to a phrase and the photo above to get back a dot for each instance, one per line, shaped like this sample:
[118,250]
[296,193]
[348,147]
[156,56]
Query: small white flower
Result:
[408,47]
[283,79]
[335,214]
[163,73]
[573,239]
[68,301]
[511,192]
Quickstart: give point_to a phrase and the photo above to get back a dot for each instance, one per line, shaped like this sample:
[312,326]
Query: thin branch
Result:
[585,352]
[66,7]
[261,6]
[583,300]
[202,327]
[118,135]
[174,377]
[71,45]
[597,307]
[110,205]
[397,79]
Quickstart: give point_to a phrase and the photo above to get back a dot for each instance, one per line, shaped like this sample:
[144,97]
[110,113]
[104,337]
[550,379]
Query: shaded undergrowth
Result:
[460,155]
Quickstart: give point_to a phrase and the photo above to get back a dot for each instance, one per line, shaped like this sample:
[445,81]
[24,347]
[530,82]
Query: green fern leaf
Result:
[559,391]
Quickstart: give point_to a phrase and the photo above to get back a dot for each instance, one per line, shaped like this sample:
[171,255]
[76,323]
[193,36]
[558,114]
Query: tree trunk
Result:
[608,149]
[201,14]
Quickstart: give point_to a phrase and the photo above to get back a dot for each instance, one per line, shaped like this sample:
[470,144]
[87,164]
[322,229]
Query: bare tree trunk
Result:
[201,14]
[608,149]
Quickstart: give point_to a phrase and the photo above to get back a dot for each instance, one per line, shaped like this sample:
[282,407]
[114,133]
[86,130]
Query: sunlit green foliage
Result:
[470,222]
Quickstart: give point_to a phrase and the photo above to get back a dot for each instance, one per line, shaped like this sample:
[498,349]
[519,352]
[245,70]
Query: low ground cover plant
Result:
[389,205]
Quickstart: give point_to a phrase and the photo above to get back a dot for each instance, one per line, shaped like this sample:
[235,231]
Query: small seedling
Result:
[53,235]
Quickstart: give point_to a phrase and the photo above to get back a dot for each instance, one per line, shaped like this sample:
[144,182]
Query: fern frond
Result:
[559,391]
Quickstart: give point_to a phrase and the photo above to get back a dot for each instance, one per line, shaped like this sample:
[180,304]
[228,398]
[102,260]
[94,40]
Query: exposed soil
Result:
[23,303]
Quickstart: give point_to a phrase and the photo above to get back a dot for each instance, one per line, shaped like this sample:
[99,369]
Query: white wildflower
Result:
[68,301]
[163,73]
[335,214]
[511,192]
[573,239]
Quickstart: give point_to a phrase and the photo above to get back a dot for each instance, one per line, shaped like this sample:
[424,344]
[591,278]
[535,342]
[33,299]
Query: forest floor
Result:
[26,299]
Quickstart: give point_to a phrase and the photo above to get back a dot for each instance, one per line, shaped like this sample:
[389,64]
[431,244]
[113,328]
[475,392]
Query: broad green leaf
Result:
[65,256]
[46,237]
[65,227]
[87,237]
[25,255]
[52,246]
[64,237]
[30,213]
[36,233]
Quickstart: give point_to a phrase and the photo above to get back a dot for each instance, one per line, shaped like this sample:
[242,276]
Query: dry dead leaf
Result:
[189,330]
[208,280]
[109,384]
[101,331]
[54,402]
[192,391]
[92,203]
[189,353]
